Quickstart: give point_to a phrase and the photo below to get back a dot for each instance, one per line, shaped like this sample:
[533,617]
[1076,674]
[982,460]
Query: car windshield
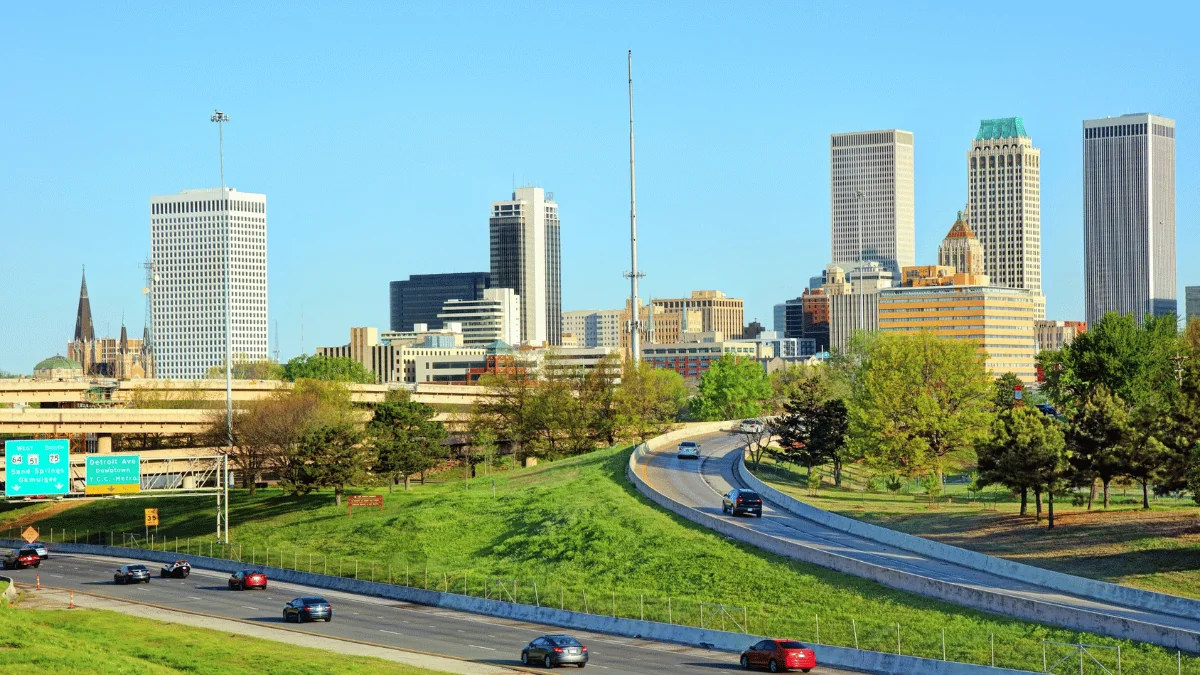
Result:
[792,644]
[565,641]
[750,495]
[137,568]
[314,601]
[247,573]
[687,444]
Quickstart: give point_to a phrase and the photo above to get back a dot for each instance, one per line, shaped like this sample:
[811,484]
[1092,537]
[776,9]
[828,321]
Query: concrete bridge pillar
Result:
[103,443]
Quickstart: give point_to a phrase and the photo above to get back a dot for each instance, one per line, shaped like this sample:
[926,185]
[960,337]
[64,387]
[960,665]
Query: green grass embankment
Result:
[580,532]
[102,642]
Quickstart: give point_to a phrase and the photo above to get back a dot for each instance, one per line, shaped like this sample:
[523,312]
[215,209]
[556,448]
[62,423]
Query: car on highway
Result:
[37,547]
[555,650]
[750,427]
[688,450]
[741,500]
[308,608]
[246,579]
[778,656]
[20,558]
[180,569]
[132,574]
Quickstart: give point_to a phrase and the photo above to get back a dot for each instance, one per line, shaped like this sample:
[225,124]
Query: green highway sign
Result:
[34,468]
[113,474]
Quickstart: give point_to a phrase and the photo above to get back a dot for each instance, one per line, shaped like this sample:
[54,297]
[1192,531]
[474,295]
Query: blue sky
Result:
[381,132]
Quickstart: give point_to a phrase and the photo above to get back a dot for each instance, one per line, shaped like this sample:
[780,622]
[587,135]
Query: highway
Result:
[375,620]
[701,484]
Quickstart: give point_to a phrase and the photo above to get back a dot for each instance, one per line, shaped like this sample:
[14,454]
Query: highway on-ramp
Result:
[701,483]
[375,620]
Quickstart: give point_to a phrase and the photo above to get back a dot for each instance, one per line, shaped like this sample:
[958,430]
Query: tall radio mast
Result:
[635,324]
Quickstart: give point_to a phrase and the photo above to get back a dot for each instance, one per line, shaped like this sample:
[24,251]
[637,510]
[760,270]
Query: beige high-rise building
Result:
[717,312]
[871,204]
[1004,205]
[961,249]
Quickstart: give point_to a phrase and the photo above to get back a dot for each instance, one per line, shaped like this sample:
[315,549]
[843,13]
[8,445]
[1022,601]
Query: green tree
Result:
[407,440]
[733,387]
[648,401]
[328,368]
[245,369]
[1024,451]
[1096,435]
[334,456]
[1004,390]
[798,425]
[917,398]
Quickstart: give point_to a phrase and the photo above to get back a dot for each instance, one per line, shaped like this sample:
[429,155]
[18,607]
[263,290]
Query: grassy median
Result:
[96,641]
[576,533]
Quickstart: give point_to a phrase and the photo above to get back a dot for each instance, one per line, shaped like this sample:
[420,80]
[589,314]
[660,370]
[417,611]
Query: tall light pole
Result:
[635,324]
[861,301]
[223,487]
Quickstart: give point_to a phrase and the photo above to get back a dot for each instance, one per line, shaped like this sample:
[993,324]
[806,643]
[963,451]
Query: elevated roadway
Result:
[375,620]
[700,485]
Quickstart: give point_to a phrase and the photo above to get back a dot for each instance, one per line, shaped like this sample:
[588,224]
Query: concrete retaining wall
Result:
[838,657]
[966,596]
[1066,583]
[10,593]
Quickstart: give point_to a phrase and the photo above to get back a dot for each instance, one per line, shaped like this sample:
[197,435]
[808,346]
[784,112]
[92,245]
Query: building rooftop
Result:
[960,229]
[57,362]
[1004,127]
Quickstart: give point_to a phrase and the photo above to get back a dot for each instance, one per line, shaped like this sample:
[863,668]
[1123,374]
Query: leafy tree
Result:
[328,368]
[1004,391]
[407,439]
[831,434]
[757,440]
[1096,436]
[648,401]
[334,456]
[1144,454]
[1024,451]
[733,387]
[917,398]
[597,391]
[798,425]
[244,369]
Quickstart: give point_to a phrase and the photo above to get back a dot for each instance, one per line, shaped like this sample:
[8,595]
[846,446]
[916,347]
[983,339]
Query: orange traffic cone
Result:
[72,605]
[39,582]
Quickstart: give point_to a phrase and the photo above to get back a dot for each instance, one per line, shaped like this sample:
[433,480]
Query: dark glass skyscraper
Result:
[420,298]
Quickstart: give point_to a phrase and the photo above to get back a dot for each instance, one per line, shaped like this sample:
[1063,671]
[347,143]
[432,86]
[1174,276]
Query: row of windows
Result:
[1116,131]
[209,205]
[991,161]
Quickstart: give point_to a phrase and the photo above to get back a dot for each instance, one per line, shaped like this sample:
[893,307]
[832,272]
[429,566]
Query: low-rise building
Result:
[595,327]
[998,320]
[495,316]
[692,357]
[1056,334]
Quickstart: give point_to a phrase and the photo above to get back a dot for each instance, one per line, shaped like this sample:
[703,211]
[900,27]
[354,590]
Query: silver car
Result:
[37,547]
[555,650]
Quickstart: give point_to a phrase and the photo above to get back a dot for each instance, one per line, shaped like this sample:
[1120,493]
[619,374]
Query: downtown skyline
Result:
[358,200]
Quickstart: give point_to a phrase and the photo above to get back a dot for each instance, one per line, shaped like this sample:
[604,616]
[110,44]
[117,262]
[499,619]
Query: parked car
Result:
[20,558]
[132,574]
[247,579]
[688,450]
[555,650]
[180,569]
[778,656]
[308,608]
[741,500]
[37,547]
[751,427]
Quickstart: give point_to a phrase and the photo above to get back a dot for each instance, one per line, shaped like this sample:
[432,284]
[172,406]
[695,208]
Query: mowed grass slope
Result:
[1158,550]
[578,527]
[96,641]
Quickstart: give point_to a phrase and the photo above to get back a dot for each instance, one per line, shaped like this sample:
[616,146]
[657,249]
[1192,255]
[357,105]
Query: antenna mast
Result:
[635,324]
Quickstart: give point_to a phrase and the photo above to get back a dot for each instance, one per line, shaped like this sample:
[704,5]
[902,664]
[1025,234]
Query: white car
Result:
[751,427]
[688,450]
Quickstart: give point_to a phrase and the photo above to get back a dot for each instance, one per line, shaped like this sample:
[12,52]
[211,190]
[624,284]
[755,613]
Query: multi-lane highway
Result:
[383,622]
[701,484]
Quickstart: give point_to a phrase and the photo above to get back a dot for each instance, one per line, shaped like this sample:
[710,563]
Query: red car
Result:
[16,560]
[246,579]
[779,655]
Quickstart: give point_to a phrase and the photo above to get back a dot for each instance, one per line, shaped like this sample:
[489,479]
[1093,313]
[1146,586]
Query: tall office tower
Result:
[876,224]
[961,249]
[526,257]
[1191,302]
[1004,204]
[420,297]
[1129,215]
[189,233]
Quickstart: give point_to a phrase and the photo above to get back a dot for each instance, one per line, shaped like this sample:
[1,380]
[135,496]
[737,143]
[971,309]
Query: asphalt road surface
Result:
[376,620]
[701,484]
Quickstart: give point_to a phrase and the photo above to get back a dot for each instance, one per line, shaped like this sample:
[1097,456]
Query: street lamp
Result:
[223,488]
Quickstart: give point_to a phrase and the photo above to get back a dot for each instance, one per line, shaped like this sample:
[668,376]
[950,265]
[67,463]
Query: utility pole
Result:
[635,324]
[223,486]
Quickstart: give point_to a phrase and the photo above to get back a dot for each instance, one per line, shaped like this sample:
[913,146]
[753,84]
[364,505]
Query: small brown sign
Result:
[30,535]
[151,517]
[363,500]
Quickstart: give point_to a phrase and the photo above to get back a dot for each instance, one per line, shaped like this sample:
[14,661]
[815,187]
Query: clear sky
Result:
[381,132]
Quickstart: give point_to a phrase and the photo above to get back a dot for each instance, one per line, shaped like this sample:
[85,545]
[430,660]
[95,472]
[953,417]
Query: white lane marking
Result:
[490,649]
[194,597]
[390,632]
[56,576]
[249,607]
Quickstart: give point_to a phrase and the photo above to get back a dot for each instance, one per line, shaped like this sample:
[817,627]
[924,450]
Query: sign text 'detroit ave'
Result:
[113,474]
[37,468]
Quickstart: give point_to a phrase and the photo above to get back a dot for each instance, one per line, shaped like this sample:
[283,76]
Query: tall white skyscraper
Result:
[1129,215]
[189,232]
[526,257]
[1004,205]
[871,203]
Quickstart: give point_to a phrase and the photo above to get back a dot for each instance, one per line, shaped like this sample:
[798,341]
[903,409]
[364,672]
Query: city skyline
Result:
[88,165]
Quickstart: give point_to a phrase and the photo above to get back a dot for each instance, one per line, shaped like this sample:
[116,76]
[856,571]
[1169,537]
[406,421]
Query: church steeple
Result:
[84,331]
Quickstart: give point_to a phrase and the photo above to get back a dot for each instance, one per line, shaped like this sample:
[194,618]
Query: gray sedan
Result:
[555,650]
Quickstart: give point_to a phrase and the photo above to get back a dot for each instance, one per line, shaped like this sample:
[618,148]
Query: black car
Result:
[37,547]
[132,574]
[308,608]
[180,569]
[555,650]
[741,500]
[15,560]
